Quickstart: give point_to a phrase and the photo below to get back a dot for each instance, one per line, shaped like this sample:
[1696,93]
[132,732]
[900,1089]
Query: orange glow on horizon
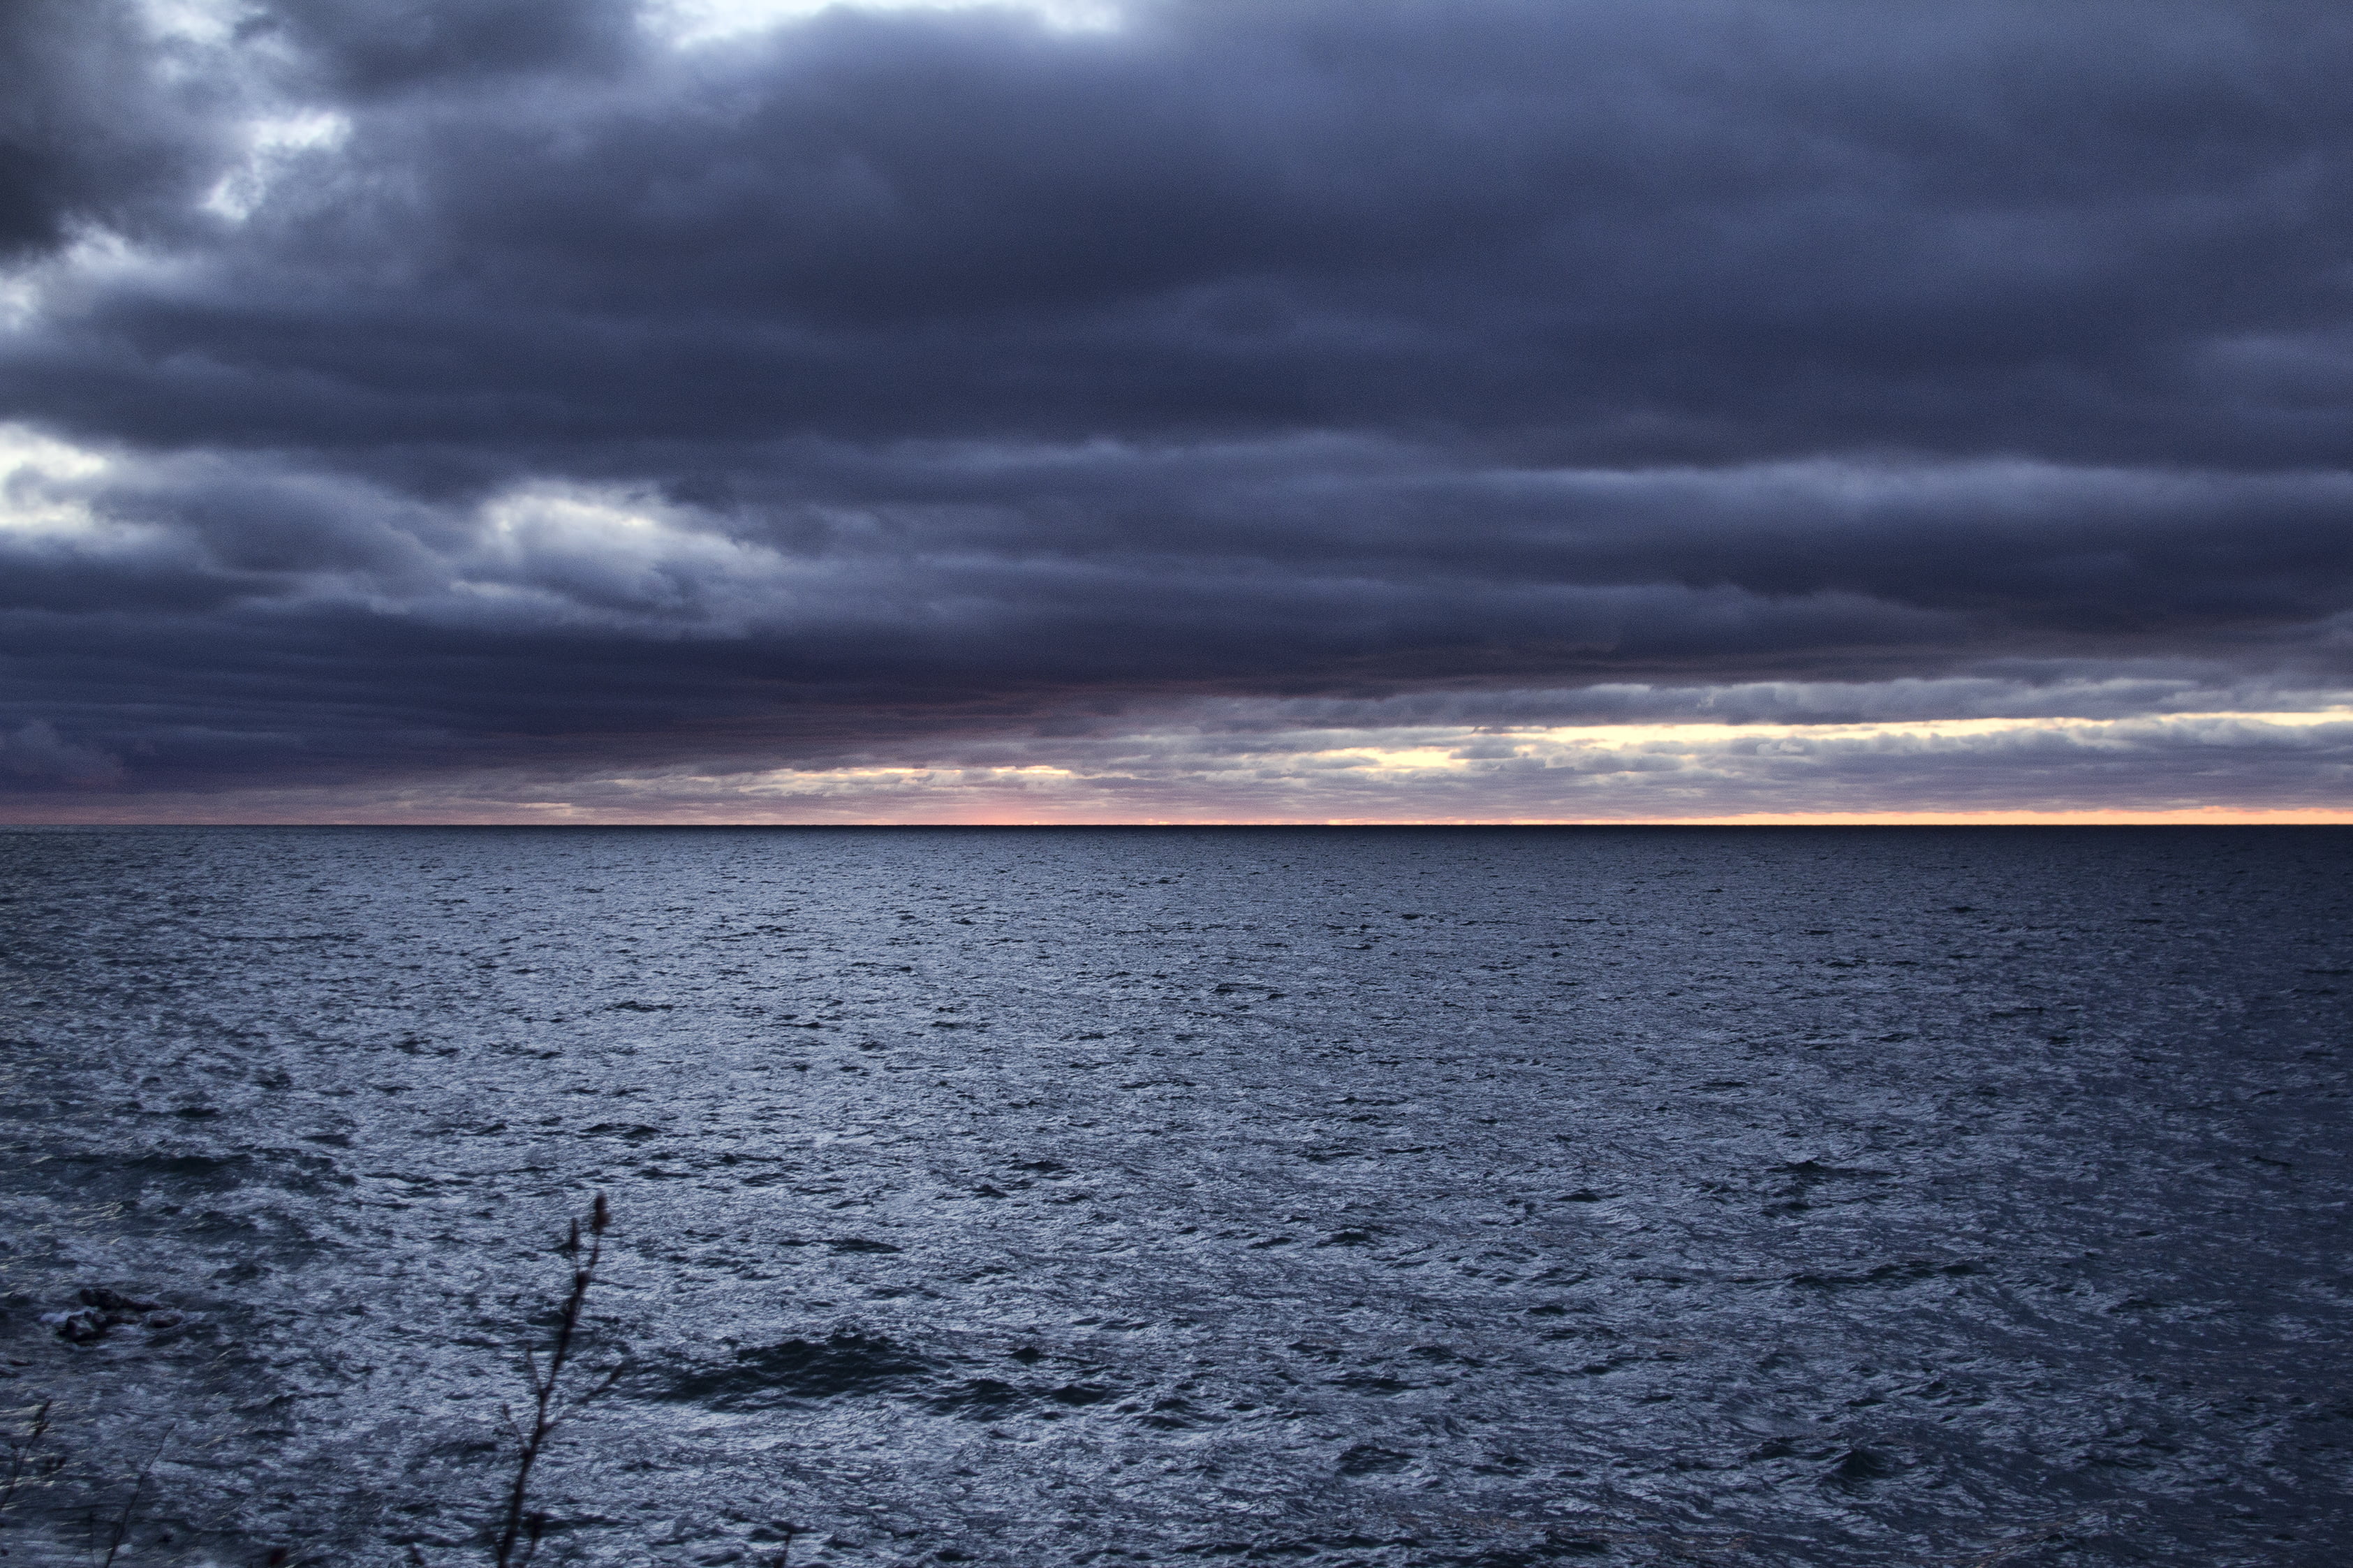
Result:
[564,815]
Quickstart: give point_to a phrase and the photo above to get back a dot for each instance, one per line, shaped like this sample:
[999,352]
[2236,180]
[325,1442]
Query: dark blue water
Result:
[1041,1198]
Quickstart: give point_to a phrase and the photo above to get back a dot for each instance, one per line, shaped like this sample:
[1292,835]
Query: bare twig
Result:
[121,1527]
[519,1533]
[28,1464]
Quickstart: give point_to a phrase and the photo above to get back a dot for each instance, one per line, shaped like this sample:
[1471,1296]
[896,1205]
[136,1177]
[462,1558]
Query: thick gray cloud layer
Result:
[405,390]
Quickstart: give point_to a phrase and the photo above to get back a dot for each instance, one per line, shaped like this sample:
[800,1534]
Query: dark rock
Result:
[106,1301]
[83,1327]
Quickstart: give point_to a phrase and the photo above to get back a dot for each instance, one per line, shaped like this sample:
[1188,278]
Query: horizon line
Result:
[2210,818]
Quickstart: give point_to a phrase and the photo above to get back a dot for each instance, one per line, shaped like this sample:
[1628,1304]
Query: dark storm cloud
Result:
[94,129]
[1609,232]
[370,49]
[494,382]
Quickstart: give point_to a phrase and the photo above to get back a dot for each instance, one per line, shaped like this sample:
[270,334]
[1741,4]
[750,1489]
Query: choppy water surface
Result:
[1161,1196]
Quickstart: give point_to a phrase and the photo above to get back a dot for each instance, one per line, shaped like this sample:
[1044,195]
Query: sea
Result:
[1396,1197]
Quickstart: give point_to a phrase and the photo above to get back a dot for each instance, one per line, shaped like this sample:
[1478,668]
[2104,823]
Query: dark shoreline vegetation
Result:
[1456,1198]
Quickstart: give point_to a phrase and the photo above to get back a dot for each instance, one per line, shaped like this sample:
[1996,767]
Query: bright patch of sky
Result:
[273,143]
[195,21]
[1601,773]
[699,21]
[44,500]
[591,553]
[35,474]
[96,258]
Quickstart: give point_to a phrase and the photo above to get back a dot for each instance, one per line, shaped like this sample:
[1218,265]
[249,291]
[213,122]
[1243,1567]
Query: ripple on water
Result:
[1825,1200]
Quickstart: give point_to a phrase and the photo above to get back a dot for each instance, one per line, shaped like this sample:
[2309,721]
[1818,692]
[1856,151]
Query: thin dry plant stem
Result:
[131,1504]
[518,1537]
[28,1465]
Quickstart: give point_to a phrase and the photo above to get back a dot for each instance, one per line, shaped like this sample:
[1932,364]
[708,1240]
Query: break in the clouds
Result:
[1205,410]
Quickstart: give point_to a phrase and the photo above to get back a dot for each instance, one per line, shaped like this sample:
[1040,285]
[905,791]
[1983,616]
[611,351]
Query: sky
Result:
[1176,411]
